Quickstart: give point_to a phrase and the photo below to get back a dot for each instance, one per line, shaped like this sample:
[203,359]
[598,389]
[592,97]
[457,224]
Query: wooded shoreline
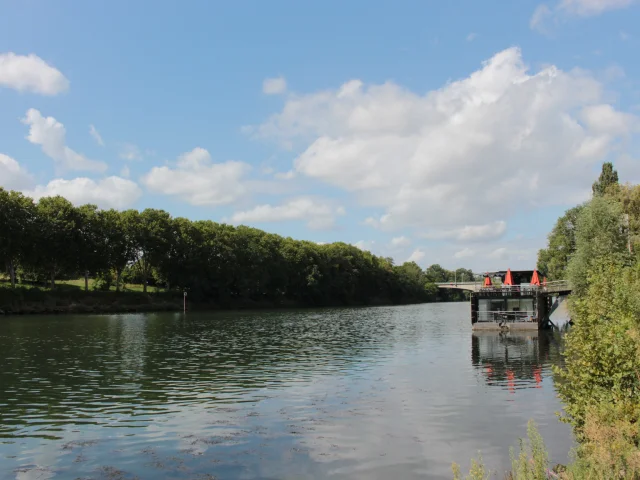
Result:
[22,301]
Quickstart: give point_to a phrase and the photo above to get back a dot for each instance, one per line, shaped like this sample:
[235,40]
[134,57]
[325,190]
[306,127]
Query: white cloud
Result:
[125,172]
[274,86]
[464,253]
[96,135]
[416,256]
[51,135]
[539,18]
[543,14]
[470,233]
[400,241]
[365,245]
[29,73]
[318,215]
[130,152]
[199,181]
[110,192]
[12,175]
[471,37]
[588,8]
[499,254]
[286,175]
[603,119]
[472,153]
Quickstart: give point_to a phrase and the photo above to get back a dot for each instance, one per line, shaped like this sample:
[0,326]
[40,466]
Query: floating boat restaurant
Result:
[515,300]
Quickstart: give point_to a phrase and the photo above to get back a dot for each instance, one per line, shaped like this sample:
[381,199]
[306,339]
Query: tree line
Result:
[51,239]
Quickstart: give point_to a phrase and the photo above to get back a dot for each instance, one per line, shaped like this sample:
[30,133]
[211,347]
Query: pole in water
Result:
[185,302]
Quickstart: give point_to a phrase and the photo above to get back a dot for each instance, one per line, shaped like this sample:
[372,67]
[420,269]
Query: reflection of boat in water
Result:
[513,360]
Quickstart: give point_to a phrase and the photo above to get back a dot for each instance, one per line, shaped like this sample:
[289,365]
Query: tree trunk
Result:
[12,273]
[118,273]
[53,280]
[86,280]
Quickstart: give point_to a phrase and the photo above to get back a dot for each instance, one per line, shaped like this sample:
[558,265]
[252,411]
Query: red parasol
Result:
[508,279]
[487,281]
[535,280]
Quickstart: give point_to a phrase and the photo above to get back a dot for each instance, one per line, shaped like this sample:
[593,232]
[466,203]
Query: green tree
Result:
[561,245]
[118,243]
[56,245]
[600,233]
[602,350]
[438,274]
[17,215]
[90,240]
[608,178]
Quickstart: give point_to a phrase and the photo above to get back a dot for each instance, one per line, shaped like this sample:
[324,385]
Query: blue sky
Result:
[445,132]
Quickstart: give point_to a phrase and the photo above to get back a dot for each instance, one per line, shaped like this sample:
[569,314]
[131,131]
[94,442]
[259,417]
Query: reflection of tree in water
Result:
[517,360]
[82,370]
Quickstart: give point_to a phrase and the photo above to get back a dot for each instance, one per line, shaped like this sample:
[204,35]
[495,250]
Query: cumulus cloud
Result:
[471,233]
[416,256]
[318,215]
[400,241]
[12,175]
[464,253]
[543,14]
[96,135]
[198,181]
[110,192]
[474,152]
[29,73]
[274,86]
[604,119]
[50,134]
[471,37]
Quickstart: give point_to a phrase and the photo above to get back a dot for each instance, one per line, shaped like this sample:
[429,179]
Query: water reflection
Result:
[341,393]
[515,360]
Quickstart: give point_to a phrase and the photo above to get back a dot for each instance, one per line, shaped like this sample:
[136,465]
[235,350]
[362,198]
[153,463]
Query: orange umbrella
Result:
[487,281]
[544,282]
[535,280]
[508,279]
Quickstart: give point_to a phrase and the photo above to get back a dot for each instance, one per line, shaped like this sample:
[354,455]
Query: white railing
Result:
[503,316]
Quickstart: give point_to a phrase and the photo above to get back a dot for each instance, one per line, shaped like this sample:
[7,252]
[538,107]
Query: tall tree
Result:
[608,177]
[57,245]
[90,233]
[17,214]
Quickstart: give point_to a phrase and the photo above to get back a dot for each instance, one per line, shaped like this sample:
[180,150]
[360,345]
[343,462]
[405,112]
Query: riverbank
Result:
[37,301]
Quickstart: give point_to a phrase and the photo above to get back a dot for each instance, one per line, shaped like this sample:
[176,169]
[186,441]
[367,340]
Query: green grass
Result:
[78,284]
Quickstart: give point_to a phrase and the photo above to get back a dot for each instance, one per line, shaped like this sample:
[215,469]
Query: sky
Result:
[441,132]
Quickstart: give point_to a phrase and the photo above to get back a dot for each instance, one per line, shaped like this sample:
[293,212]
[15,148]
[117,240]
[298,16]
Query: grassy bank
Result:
[70,297]
[28,299]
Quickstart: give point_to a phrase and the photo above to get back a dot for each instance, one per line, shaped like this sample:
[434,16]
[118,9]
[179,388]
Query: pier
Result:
[512,300]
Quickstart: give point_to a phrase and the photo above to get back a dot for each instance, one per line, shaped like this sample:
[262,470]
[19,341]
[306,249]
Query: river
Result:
[352,393]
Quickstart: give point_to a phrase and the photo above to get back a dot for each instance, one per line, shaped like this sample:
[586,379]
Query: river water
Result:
[366,393]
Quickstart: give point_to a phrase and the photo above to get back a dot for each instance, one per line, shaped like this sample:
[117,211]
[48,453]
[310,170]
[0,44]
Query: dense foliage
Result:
[51,240]
[595,246]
